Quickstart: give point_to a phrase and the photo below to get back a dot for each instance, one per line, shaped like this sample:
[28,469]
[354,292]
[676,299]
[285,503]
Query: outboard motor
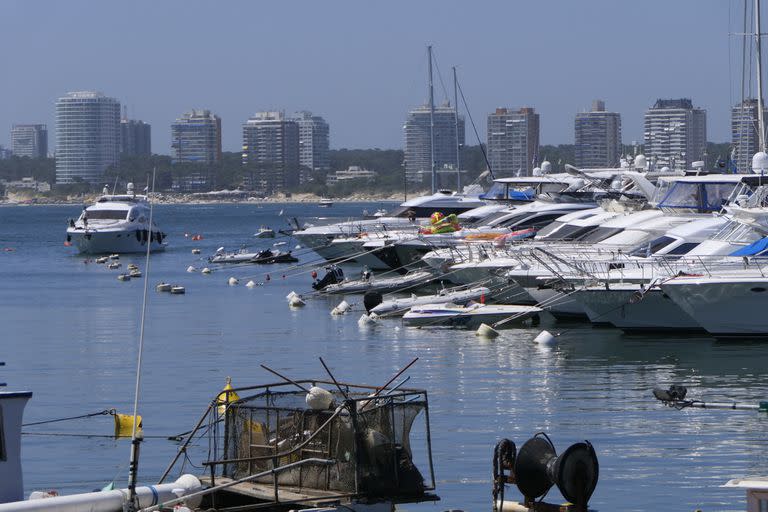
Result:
[371,299]
[332,275]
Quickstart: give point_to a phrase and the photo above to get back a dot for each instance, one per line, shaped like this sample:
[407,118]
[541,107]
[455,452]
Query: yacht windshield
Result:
[652,247]
[601,234]
[702,197]
[107,214]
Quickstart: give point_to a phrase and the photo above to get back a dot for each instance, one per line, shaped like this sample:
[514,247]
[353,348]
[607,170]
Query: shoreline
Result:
[215,198]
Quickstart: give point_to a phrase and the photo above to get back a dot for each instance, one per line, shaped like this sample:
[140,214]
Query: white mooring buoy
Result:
[486,331]
[545,338]
[342,308]
[206,270]
[233,281]
[319,399]
[191,269]
[250,284]
[366,320]
[296,301]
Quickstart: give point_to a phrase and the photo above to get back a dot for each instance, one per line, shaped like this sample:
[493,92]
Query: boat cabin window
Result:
[545,232]
[683,248]
[107,214]
[652,247]
[600,234]
[702,197]
[534,221]
[569,233]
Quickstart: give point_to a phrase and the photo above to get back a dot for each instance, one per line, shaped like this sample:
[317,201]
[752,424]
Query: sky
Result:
[362,65]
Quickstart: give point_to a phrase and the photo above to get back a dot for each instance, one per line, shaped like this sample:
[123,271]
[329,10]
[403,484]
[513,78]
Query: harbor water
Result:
[70,334]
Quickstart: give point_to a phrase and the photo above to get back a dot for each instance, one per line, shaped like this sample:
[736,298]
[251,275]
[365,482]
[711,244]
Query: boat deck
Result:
[285,494]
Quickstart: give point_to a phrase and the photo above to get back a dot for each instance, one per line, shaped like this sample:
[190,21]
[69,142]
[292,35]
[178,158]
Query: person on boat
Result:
[411,215]
[365,275]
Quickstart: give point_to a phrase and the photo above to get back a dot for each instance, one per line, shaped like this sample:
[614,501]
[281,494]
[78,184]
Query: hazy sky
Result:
[362,65]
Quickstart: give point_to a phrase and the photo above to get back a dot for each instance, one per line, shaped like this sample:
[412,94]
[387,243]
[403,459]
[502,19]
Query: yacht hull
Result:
[108,242]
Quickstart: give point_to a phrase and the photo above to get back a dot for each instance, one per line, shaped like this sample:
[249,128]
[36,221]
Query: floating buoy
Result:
[123,277]
[283,276]
[191,269]
[365,320]
[342,308]
[291,295]
[135,273]
[267,278]
[314,274]
[296,302]
[250,284]
[163,287]
[206,270]
[114,266]
[297,247]
[319,399]
[195,251]
[545,338]
[486,331]
[178,290]
[233,281]
[227,396]
[114,256]
[103,259]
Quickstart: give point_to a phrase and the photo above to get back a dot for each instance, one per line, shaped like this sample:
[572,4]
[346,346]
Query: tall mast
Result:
[432,121]
[758,36]
[456,129]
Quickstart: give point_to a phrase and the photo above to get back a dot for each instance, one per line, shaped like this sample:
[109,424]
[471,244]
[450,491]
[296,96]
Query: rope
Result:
[105,412]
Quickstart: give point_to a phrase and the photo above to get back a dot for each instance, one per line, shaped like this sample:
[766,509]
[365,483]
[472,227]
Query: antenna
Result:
[456,128]
[432,121]
[759,70]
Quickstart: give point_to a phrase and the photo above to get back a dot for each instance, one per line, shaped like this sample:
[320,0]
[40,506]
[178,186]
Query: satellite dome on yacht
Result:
[760,162]
[640,162]
[546,167]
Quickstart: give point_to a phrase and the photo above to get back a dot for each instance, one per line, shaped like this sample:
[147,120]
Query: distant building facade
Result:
[744,133]
[29,140]
[196,138]
[675,133]
[598,137]
[87,136]
[5,153]
[353,172]
[314,141]
[135,138]
[271,152]
[418,146]
[513,141]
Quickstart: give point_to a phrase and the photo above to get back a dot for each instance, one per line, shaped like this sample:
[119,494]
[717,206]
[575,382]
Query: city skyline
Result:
[379,74]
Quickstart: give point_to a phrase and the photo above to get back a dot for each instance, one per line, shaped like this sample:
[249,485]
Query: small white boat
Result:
[468,317]
[325,203]
[124,277]
[398,307]
[163,287]
[178,290]
[407,282]
[265,232]
[243,255]
[135,273]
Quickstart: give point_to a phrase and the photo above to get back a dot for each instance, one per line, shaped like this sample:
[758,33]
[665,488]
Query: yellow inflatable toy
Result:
[439,223]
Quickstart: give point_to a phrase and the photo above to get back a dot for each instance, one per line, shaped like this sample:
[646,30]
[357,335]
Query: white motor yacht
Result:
[116,224]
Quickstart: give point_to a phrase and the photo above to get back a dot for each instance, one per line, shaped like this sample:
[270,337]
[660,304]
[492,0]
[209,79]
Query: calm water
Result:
[70,334]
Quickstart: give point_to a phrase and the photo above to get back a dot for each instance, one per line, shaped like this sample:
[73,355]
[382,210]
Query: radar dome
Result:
[537,171]
[665,169]
[546,167]
[640,162]
[760,162]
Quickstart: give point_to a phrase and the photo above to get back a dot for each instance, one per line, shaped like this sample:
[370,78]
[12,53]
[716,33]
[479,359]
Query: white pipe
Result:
[110,501]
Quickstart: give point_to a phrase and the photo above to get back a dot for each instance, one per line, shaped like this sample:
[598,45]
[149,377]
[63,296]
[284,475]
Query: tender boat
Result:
[398,307]
[116,224]
[470,316]
[326,203]
[265,232]
[261,257]
[338,284]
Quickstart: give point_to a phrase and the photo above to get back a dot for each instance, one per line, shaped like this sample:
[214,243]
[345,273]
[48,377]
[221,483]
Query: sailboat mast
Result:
[432,121]
[760,116]
[456,129]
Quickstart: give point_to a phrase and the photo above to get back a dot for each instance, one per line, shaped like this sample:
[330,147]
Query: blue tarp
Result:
[753,248]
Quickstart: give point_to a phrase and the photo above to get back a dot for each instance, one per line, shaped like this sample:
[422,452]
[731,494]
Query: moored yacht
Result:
[116,223]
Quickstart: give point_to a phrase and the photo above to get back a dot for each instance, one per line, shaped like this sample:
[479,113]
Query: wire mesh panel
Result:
[367,437]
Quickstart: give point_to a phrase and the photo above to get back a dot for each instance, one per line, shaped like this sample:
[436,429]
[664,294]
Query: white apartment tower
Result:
[196,138]
[271,152]
[598,137]
[29,140]
[314,141]
[675,134]
[513,141]
[87,136]
[744,133]
[418,143]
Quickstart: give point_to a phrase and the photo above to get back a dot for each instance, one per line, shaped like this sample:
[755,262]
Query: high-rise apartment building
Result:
[87,136]
[418,144]
[30,140]
[675,134]
[598,137]
[196,138]
[271,152]
[513,141]
[135,138]
[314,141]
[744,133]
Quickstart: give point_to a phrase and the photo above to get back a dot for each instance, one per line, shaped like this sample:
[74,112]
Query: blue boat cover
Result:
[753,248]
